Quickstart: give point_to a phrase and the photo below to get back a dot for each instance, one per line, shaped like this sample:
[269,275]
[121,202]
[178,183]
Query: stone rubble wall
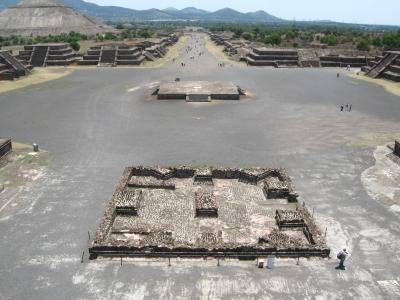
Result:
[206,203]
[306,242]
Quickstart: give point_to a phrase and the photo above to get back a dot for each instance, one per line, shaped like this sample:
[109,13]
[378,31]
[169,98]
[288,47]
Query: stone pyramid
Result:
[44,17]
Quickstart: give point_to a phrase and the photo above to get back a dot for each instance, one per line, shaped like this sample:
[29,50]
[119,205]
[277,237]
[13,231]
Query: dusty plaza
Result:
[94,123]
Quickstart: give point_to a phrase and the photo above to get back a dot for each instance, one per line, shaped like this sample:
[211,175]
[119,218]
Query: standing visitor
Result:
[342,255]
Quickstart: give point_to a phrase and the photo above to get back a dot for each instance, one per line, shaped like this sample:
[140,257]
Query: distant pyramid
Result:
[44,17]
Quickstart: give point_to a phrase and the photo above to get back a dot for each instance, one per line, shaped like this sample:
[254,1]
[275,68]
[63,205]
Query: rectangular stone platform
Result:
[198,91]
[231,218]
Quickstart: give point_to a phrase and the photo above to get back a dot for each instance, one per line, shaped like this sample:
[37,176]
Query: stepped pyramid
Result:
[387,67]
[44,17]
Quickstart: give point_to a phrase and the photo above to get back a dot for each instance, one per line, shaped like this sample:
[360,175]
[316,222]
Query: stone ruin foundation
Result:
[206,212]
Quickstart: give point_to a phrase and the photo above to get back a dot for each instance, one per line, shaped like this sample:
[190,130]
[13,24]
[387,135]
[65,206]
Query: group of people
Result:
[190,49]
[221,65]
[348,107]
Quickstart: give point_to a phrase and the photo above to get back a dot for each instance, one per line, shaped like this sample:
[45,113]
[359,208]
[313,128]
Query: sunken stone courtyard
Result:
[207,212]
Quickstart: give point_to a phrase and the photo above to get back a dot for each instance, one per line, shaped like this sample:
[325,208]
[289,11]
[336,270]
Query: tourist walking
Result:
[350,106]
[342,255]
[341,107]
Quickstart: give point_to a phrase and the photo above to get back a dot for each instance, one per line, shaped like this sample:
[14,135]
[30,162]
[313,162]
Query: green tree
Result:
[237,32]
[330,39]
[110,36]
[391,40]
[145,33]
[363,45]
[75,45]
[247,36]
[377,42]
[273,39]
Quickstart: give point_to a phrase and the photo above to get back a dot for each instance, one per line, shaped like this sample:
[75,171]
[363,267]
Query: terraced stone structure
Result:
[387,66]
[11,67]
[42,55]
[112,55]
[273,57]
[344,61]
[219,39]
[206,212]
[155,50]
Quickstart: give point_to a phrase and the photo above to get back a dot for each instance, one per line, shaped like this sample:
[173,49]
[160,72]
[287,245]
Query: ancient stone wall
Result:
[294,234]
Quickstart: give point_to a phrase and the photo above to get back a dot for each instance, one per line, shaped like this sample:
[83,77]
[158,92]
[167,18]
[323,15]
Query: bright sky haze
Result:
[349,11]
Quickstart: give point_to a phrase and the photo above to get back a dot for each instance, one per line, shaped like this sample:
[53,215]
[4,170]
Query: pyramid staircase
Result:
[149,56]
[39,55]
[43,55]
[107,57]
[388,67]
[112,55]
[11,65]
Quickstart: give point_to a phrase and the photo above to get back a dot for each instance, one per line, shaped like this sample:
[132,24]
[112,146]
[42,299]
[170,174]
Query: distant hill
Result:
[227,14]
[261,15]
[120,14]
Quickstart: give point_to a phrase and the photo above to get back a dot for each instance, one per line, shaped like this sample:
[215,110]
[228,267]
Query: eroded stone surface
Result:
[234,214]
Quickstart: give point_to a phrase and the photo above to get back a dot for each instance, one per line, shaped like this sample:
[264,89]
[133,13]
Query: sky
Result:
[350,11]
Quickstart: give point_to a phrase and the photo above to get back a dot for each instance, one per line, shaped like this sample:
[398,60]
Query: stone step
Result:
[391,76]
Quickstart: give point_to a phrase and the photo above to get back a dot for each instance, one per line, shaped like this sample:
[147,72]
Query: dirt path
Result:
[389,86]
[38,76]
[215,50]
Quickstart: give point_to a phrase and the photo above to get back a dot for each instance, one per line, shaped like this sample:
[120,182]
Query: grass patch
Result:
[390,86]
[217,51]
[22,166]
[372,139]
[38,76]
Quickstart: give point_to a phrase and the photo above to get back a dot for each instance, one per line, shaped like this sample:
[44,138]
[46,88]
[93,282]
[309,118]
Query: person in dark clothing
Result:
[342,255]
[341,107]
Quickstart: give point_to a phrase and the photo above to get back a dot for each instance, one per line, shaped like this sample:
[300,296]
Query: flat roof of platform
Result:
[198,87]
